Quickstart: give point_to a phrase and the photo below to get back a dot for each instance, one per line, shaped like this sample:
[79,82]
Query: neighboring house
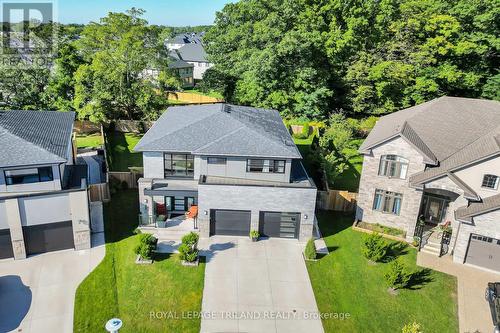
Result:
[43,195]
[183,69]
[195,54]
[437,162]
[238,164]
[180,40]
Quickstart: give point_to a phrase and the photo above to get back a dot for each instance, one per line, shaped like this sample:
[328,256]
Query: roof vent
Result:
[226,108]
[289,143]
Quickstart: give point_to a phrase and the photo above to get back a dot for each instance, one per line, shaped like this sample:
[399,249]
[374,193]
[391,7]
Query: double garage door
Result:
[484,252]
[271,224]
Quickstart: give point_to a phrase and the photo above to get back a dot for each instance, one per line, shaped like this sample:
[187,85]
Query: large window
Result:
[490,181]
[181,165]
[266,166]
[27,176]
[387,202]
[393,166]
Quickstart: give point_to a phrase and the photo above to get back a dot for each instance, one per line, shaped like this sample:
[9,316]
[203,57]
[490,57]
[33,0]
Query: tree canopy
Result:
[312,57]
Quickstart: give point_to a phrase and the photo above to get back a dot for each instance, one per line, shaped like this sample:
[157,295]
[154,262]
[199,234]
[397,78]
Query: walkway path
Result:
[473,310]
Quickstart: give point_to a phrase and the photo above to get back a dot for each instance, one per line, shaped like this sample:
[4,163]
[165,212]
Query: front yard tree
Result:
[111,85]
[374,247]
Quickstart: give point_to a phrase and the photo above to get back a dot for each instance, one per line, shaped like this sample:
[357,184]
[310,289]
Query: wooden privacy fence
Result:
[341,201]
[99,192]
[192,98]
[130,178]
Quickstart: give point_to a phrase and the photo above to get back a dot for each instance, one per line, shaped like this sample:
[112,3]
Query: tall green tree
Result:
[111,84]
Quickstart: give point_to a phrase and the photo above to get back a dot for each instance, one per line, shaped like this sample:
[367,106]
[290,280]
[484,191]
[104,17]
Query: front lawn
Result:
[120,150]
[344,282]
[120,288]
[89,140]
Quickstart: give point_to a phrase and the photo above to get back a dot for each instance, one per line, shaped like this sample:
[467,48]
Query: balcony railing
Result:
[157,221]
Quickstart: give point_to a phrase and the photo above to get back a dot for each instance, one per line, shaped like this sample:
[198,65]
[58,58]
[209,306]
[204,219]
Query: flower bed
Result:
[388,232]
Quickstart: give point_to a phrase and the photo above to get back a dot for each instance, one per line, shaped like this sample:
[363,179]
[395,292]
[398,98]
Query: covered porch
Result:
[170,203]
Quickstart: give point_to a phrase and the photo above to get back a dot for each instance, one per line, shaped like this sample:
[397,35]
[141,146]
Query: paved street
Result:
[473,310]
[267,280]
[37,294]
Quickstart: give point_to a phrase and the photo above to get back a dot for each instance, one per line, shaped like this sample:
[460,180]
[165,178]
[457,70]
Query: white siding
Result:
[3,216]
[54,185]
[44,209]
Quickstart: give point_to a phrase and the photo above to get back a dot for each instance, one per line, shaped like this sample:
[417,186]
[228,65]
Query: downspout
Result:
[456,237]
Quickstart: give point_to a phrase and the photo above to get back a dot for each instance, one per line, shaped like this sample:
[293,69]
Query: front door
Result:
[434,209]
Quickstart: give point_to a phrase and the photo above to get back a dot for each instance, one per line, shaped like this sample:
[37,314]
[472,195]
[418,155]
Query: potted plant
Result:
[188,250]
[145,248]
[161,221]
[254,235]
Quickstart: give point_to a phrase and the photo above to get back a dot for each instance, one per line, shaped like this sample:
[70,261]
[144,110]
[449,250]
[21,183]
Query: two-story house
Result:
[238,164]
[43,195]
[437,163]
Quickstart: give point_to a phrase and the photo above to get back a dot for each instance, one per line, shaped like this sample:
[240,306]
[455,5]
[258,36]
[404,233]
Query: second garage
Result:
[230,222]
[279,224]
[484,252]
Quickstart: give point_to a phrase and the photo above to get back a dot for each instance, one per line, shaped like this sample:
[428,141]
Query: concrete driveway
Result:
[37,294]
[257,287]
[473,311]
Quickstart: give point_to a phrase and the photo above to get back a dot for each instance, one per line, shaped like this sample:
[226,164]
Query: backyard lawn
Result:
[120,288]
[89,141]
[349,179]
[120,151]
[344,282]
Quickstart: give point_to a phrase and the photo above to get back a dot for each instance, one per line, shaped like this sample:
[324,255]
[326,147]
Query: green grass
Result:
[121,153]
[120,288]
[382,229]
[89,141]
[349,179]
[344,282]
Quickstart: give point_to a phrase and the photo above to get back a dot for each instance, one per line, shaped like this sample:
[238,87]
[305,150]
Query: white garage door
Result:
[484,252]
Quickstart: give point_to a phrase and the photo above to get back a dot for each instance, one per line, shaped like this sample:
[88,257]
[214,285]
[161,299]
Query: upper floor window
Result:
[393,166]
[387,202]
[490,181]
[216,160]
[28,176]
[266,166]
[179,165]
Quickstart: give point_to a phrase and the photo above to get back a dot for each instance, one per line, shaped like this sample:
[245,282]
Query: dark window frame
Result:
[217,160]
[188,173]
[487,178]
[9,182]
[274,166]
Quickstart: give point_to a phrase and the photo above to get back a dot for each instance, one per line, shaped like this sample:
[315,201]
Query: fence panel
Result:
[99,192]
[130,178]
[341,201]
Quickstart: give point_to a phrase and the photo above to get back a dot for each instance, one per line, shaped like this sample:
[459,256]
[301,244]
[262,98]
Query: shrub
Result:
[124,185]
[374,247]
[412,328]
[310,251]
[146,246]
[190,239]
[254,234]
[397,276]
[191,256]
[184,249]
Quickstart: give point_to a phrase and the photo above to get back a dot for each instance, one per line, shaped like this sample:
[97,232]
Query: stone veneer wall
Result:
[485,225]
[370,181]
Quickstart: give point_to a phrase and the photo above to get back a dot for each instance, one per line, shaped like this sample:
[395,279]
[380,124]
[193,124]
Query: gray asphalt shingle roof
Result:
[193,52]
[449,132]
[34,137]
[488,204]
[220,129]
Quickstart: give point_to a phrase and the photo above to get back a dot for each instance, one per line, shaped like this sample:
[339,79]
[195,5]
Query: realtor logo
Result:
[27,29]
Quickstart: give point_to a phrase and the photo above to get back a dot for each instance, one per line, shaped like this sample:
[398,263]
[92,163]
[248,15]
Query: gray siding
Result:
[44,209]
[153,165]
[3,216]
[257,199]
[34,187]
